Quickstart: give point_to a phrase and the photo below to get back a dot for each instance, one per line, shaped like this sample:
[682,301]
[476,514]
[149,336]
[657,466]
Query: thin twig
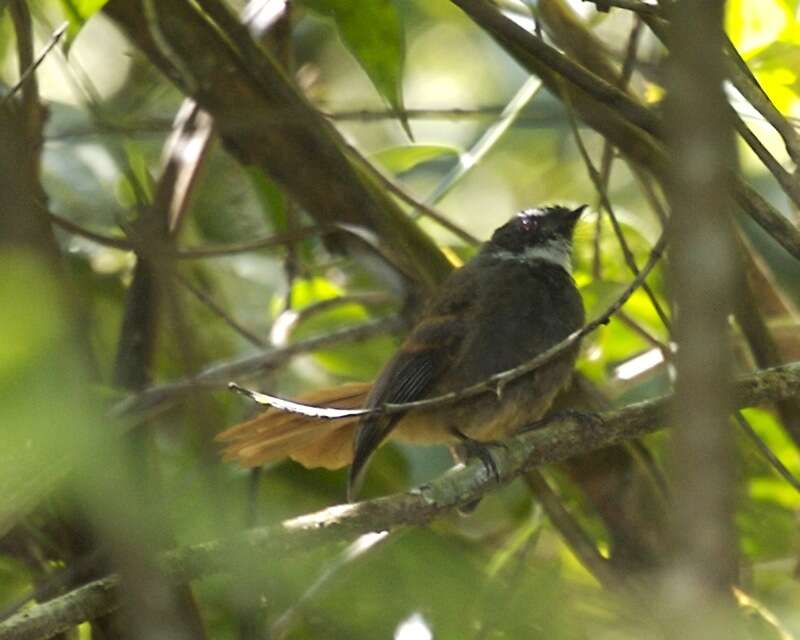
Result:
[216,376]
[190,253]
[299,608]
[646,185]
[466,161]
[100,238]
[788,182]
[221,313]
[747,84]
[780,228]
[406,197]
[773,460]
[576,538]
[288,320]
[275,240]
[54,39]
[601,190]
[469,159]
[645,333]
[607,156]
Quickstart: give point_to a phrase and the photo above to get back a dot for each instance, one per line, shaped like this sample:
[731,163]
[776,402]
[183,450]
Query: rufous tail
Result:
[312,442]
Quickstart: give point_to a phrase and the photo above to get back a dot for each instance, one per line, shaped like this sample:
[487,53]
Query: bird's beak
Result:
[571,218]
[576,213]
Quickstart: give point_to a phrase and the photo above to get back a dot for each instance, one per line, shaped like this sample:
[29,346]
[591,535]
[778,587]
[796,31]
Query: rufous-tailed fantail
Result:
[512,301]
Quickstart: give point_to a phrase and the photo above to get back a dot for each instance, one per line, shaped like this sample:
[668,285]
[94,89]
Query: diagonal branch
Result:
[563,438]
[216,375]
[242,88]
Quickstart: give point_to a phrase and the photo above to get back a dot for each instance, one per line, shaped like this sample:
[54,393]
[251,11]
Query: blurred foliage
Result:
[767,34]
[501,573]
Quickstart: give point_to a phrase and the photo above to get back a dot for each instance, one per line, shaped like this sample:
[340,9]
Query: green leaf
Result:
[78,12]
[356,362]
[373,32]
[753,25]
[406,157]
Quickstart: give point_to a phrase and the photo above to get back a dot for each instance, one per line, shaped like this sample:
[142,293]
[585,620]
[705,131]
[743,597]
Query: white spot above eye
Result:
[556,252]
[536,211]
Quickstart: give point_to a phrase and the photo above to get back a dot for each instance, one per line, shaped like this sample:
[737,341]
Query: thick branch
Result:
[561,439]
[704,275]
[242,88]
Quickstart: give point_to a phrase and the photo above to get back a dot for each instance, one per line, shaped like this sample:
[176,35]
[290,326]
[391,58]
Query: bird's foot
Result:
[469,448]
[480,449]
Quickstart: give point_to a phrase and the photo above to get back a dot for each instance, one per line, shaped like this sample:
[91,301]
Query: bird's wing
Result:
[424,356]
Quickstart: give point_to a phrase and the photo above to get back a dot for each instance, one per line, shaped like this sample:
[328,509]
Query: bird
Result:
[512,301]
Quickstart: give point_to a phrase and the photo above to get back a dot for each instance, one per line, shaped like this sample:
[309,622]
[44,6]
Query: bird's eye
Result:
[529,224]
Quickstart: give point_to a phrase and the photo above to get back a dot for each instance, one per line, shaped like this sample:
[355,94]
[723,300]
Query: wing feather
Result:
[416,367]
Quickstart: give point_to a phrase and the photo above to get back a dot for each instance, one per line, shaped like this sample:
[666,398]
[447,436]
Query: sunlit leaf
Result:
[776,69]
[78,12]
[357,362]
[767,35]
[404,158]
[753,25]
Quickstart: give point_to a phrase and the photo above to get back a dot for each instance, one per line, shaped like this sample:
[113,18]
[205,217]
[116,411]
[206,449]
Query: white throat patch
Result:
[555,252]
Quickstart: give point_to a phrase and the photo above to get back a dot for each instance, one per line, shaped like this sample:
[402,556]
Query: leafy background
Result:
[504,571]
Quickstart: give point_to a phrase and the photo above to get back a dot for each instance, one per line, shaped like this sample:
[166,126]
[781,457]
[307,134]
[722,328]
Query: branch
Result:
[704,274]
[280,239]
[520,41]
[219,311]
[217,375]
[192,253]
[576,538]
[242,88]
[747,84]
[597,179]
[562,438]
[54,39]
